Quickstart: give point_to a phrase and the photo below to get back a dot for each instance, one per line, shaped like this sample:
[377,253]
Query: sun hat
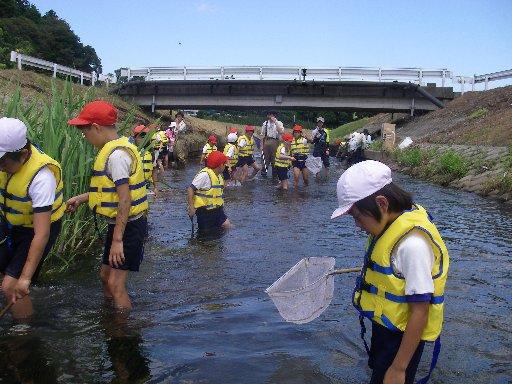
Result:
[360,181]
[212,139]
[13,135]
[139,129]
[233,130]
[232,137]
[287,137]
[215,158]
[249,128]
[96,112]
[297,128]
[320,118]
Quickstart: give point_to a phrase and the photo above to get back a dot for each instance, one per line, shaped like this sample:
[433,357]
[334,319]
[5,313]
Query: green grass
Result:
[481,112]
[346,129]
[409,157]
[452,164]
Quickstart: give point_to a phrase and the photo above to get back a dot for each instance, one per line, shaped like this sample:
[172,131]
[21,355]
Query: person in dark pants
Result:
[401,285]
[271,130]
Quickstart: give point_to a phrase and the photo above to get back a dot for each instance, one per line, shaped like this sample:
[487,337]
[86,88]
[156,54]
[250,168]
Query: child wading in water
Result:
[401,286]
[283,160]
[118,193]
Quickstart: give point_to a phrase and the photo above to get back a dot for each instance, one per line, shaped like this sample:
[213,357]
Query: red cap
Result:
[249,128]
[297,128]
[97,112]
[215,159]
[287,137]
[138,129]
[212,139]
[233,130]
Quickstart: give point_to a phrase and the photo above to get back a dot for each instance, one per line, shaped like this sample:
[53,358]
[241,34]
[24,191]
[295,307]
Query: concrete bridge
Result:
[286,88]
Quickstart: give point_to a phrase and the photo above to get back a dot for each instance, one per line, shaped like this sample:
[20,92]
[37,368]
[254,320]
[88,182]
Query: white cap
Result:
[360,181]
[13,135]
[320,118]
[232,137]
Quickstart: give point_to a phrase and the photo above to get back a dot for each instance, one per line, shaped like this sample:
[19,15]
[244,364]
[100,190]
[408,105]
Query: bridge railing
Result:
[286,73]
[501,75]
[22,59]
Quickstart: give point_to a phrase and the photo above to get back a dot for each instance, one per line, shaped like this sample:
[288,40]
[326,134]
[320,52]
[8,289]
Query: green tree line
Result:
[25,30]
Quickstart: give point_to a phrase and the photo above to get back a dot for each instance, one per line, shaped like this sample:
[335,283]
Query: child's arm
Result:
[42,222]
[190,197]
[116,256]
[74,202]
[418,317]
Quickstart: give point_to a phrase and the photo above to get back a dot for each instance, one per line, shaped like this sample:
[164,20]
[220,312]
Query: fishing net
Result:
[305,291]
[314,164]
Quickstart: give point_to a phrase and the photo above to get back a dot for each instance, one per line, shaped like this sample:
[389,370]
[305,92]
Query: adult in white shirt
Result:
[271,130]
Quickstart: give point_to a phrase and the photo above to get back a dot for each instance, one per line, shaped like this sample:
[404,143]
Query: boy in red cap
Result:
[150,174]
[282,162]
[118,193]
[205,194]
[246,145]
[299,150]
[209,147]
[31,210]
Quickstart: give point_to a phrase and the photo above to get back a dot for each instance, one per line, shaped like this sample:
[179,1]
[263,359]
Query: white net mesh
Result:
[305,291]
[314,164]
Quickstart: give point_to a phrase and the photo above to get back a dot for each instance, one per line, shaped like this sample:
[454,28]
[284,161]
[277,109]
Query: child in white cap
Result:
[231,151]
[31,209]
[401,286]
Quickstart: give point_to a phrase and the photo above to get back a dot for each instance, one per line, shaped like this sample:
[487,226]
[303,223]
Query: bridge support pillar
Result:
[412,107]
[153,102]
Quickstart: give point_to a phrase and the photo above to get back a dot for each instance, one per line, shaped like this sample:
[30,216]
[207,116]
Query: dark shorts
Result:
[133,244]
[14,255]
[243,160]
[384,347]
[282,173]
[210,218]
[226,175]
[301,163]
[162,153]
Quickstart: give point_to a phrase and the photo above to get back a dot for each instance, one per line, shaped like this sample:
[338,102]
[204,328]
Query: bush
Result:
[452,164]
[408,157]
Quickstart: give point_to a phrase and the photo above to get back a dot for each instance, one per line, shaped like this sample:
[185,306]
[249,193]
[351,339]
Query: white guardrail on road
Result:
[286,73]
[482,79]
[22,59]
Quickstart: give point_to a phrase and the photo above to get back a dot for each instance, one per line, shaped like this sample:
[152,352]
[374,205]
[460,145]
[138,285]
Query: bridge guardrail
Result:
[22,59]
[286,73]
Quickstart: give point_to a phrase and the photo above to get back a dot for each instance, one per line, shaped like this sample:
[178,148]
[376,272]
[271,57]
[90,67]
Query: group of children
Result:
[401,286]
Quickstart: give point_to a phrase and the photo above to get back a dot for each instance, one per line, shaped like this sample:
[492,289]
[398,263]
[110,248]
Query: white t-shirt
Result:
[181,127]
[42,189]
[413,259]
[231,151]
[202,181]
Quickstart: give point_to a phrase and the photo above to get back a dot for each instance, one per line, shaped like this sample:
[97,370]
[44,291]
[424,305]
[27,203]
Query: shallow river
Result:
[201,315]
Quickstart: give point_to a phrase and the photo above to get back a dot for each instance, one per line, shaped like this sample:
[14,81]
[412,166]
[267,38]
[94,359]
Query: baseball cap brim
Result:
[340,211]
[78,121]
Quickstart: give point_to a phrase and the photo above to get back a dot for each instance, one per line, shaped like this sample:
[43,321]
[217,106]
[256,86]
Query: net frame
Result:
[305,291]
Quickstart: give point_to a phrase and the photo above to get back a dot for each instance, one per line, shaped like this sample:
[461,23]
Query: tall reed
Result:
[46,121]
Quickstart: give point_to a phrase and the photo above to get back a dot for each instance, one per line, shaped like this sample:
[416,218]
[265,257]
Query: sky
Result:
[467,37]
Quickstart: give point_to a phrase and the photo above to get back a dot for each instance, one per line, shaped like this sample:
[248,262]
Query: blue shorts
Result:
[14,252]
[243,160]
[133,244]
[226,174]
[301,164]
[208,219]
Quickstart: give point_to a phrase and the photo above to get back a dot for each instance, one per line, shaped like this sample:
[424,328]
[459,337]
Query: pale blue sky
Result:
[466,37]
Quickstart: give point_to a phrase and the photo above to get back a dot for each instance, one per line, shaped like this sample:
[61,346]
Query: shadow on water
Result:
[201,315]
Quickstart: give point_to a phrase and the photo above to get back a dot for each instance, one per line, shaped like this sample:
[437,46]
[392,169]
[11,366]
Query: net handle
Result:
[340,271]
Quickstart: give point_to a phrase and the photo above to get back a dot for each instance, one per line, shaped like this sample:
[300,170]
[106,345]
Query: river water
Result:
[201,315]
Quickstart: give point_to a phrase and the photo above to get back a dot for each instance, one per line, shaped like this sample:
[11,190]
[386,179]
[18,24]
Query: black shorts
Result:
[301,164]
[14,252]
[210,218]
[282,173]
[384,347]
[242,160]
[226,174]
[162,153]
[133,244]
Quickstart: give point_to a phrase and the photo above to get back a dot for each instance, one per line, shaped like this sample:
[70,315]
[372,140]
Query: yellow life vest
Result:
[380,295]
[15,202]
[213,197]
[147,165]
[209,149]
[285,163]
[159,145]
[248,149]
[233,159]
[298,147]
[103,197]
